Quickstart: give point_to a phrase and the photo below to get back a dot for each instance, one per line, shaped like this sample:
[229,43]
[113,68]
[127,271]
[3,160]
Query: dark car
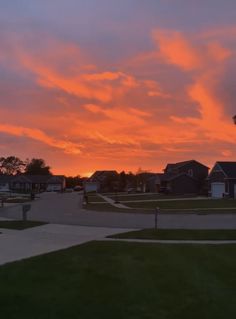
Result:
[78,188]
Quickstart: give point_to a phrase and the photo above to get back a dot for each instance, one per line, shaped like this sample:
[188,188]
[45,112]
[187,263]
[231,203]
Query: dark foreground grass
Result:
[106,280]
[19,224]
[95,198]
[179,234]
[17,200]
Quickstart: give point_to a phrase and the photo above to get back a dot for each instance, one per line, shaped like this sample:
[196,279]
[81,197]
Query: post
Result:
[86,200]
[25,209]
[157,210]
[116,198]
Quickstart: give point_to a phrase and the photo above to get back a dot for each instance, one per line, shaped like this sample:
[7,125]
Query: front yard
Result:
[179,234]
[186,204]
[106,280]
[19,224]
[145,196]
[166,206]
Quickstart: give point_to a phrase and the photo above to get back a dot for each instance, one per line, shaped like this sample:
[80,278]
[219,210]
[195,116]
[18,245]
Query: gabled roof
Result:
[37,179]
[229,168]
[181,164]
[4,179]
[56,179]
[21,179]
[100,176]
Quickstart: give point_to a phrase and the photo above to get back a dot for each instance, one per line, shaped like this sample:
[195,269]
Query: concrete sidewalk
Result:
[113,202]
[171,241]
[20,244]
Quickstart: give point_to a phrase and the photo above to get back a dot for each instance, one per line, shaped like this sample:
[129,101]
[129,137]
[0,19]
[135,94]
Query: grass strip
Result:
[179,234]
[19,224]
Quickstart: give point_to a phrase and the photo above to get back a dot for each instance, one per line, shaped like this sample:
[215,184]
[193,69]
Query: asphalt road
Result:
[67,209]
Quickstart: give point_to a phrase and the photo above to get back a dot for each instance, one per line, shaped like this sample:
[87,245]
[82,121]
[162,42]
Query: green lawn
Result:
[135,197]
[146,196]
[179,234]
[95,198]
[105,280]
[19,224]
[186,204]
[18,200]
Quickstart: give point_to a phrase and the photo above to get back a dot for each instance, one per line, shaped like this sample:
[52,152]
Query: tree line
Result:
[12,165]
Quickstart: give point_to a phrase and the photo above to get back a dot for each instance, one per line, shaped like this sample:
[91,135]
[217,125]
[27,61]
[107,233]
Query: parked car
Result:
[78,188]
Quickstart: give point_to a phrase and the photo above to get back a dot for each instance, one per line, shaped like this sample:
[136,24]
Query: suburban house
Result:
[4,183]
[181,178]
[143,181]
[222,180]
[102,181]
[153,184]
[32,183]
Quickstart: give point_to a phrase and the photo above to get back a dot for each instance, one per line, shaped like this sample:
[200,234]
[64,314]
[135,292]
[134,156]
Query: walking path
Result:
[164,241]
[20,244]
[112,202]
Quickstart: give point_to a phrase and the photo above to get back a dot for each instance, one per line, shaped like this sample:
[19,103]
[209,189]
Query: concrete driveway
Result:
[67,209]
[21,244]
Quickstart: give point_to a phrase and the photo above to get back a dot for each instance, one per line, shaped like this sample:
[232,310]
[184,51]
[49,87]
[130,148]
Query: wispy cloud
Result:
[36,134]
[163,103]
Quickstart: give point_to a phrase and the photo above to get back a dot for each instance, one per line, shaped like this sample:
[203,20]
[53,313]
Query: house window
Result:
[190,172]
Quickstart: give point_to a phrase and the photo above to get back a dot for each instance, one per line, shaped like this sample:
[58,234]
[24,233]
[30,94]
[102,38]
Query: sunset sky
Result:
[107,84]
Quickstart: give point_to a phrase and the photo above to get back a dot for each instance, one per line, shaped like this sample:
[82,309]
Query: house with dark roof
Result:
[102,181]
[181,178]
[4,183]
[29,183]
[143,181]
[222,180]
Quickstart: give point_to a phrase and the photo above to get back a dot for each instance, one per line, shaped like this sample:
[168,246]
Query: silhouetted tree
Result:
[122,181]
[72,182]
[131,179]
[11,165]
[37,166]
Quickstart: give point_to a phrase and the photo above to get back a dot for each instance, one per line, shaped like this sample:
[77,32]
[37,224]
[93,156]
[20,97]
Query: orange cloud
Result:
[175,49]
[124,119]
[212,124]
[52,70]
[127,116]
[218,52]
[40,136]
[186,51]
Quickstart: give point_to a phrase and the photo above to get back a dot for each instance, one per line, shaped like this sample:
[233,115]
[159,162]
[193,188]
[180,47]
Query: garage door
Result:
[217,190]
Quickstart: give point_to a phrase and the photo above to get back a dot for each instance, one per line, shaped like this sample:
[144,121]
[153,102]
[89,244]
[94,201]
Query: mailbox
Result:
[25,209]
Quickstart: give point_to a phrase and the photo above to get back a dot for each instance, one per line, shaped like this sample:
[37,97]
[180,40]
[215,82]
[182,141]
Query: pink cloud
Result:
[187,52]
[128,113]
[38,135]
